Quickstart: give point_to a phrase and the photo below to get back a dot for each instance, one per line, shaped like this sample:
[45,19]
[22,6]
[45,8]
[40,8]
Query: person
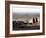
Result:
[33,20]
[36,19]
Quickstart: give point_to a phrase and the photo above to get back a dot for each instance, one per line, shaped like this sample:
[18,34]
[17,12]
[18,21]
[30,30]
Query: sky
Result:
[25,9]
[22,11]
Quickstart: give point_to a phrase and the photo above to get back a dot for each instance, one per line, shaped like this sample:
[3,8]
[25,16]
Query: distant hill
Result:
[26,15]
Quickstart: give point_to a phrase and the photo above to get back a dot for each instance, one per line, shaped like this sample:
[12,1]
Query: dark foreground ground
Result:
[24,26]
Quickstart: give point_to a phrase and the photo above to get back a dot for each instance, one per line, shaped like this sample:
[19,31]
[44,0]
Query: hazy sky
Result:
[25,10]
[28,9]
